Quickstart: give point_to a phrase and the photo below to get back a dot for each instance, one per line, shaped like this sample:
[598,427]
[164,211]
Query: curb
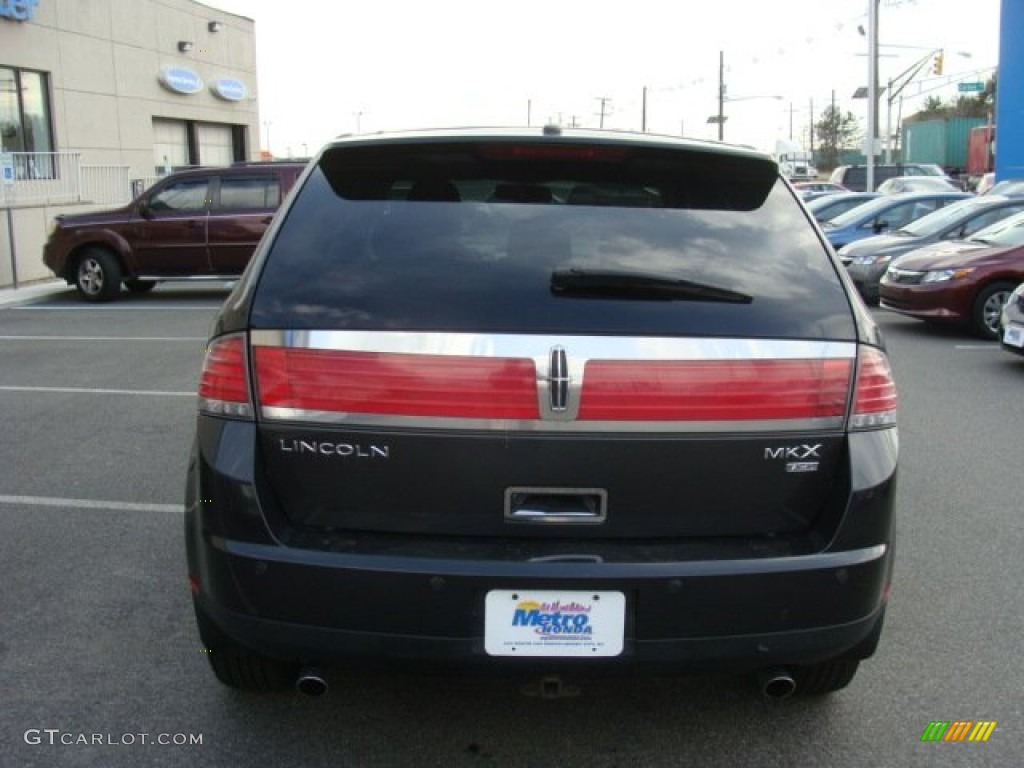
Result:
[26,293]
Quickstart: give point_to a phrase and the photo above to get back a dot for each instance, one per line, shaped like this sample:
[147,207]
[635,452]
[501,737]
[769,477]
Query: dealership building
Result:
[100,97]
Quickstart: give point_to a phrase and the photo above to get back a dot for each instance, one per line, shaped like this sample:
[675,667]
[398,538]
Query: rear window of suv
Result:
[549,238]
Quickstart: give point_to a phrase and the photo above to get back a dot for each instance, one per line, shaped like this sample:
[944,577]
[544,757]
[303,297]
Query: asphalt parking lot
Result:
[100,664]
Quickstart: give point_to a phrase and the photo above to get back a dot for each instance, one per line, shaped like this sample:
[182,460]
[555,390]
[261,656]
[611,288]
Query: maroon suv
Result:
[200,224]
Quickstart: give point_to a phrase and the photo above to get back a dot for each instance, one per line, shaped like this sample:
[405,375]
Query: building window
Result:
[25,124]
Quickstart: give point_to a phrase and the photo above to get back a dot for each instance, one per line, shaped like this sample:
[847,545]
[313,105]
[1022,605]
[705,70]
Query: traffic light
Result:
[937,64]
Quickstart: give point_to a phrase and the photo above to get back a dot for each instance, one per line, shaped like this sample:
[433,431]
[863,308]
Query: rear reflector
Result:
[223,386]
[396,384]
[722,390]
[875,400]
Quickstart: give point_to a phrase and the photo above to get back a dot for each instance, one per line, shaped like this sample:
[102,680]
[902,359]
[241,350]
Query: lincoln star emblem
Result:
[558,379]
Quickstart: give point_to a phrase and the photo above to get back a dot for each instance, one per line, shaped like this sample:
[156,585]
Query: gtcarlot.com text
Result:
[57,737]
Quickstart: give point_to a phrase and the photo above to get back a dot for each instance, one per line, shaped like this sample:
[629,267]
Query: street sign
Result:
[974,87]
[7,167]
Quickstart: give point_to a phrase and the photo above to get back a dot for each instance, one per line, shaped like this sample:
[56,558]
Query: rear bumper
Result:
[733,615]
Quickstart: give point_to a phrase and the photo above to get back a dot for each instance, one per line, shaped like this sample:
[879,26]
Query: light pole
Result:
[869,148]
[902,80]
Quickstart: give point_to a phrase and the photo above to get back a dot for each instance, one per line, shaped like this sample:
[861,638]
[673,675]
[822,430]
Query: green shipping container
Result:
[939,141]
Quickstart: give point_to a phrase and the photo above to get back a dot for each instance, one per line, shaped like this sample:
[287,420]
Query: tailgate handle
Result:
[564,506]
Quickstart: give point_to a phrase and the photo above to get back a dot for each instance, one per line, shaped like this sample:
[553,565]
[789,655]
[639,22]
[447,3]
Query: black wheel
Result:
[987,308]
[826,677]
[140,286]
[240,668]
[97,275]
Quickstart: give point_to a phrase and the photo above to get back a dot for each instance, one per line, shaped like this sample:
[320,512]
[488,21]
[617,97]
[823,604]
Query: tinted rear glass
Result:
[466,237]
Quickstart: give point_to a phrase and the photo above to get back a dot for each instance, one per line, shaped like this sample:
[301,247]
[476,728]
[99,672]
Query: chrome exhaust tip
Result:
[311,682]
[776,683]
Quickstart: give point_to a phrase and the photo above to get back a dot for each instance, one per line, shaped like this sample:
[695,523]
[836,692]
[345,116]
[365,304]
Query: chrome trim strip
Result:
[187,278]
[343,419]
[538,347]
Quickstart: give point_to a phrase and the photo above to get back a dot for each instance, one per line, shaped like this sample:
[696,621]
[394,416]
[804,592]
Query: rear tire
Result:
[97,275]
[240,668]
[987,308]
[826,677]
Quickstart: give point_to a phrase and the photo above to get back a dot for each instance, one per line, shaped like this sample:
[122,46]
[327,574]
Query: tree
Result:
[964,105]
[835,131]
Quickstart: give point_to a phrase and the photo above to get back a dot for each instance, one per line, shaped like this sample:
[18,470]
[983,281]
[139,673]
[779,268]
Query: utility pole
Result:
[721,95]
[643,113]
[811,129]
[604,101]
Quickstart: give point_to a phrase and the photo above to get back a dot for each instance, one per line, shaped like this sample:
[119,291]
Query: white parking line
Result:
[976,346]
[103,338]
[88,391]
[119,506]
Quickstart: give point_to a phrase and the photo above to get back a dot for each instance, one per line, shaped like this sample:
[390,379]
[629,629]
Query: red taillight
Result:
[396,384]
[223,385]
[875,398]
[728,390]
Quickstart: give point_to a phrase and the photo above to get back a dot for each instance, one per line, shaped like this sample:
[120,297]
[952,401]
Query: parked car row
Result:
[921,247]
[962,282]
[855,177]
[868,259]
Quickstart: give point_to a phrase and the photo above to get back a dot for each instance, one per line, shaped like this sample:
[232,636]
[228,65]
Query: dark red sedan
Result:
[962,282]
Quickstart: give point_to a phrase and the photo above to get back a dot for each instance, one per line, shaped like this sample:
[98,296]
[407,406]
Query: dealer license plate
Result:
[554,623]
[1013,336]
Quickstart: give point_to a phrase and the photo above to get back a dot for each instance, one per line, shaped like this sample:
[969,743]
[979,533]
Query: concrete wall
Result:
[104,58]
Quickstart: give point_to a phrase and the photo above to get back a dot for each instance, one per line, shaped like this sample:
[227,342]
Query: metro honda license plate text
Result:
[544,623]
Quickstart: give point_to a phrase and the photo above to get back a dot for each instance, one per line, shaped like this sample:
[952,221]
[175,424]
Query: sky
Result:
[327,68]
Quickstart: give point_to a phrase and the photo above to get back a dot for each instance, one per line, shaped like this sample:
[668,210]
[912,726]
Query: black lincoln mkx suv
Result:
[542,401]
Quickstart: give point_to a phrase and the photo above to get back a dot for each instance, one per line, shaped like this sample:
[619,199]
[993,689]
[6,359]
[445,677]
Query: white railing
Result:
[43,178]
[59,178]
[106,184]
